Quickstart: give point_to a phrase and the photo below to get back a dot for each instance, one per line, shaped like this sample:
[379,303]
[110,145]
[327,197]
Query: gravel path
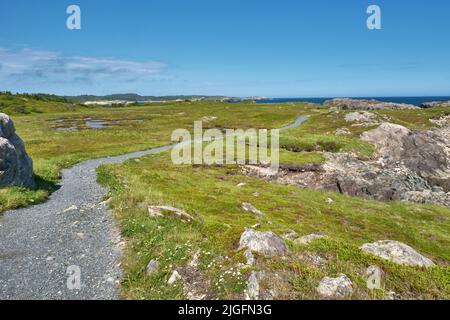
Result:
[72,229]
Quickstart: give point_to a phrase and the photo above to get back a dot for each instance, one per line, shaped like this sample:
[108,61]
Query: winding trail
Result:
[72,228]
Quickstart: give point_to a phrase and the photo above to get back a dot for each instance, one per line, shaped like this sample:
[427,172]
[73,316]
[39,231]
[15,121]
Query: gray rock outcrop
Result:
[397,252]
[152,267]
[16,167]
[408,165]
[426,153]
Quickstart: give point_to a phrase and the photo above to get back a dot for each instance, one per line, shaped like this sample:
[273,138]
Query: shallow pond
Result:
[75,124]
[95,124]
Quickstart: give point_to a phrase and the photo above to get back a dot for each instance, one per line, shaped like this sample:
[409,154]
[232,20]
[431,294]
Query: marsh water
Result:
[75,124]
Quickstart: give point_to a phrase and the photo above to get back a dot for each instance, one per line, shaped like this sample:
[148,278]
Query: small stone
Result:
[342,132]
[309,238]
[329,200]
[314,259]
[339,287]
[195,258]
[249,207]
[157,211]
[195,296]
[392,295]
[80,235]
[174,277]
[152,267]
[209,118]
[241,184]
[106,202]
[71,208]
[291,235]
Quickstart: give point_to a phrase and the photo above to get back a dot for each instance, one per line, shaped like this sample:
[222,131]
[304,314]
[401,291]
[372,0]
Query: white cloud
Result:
[33,65]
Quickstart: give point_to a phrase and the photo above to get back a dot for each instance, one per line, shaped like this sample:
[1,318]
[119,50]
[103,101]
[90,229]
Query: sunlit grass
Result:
[213,196]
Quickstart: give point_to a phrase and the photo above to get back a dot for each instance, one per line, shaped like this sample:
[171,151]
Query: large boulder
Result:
[426,153]
[16,167]
[397,252]
[388,139]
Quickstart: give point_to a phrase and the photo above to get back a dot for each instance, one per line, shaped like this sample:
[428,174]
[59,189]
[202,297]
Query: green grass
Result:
[35,103]
[53,150]
[211,194]
[15,197]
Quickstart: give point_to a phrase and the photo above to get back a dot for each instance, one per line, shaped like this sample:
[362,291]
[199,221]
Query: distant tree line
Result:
[35,96]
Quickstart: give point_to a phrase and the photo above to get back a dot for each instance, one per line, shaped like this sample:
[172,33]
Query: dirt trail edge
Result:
[43,247]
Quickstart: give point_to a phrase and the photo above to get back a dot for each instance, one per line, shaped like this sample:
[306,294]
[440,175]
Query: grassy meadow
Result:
[213,197]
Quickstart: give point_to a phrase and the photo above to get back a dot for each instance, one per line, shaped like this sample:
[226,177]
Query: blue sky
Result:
[284,48]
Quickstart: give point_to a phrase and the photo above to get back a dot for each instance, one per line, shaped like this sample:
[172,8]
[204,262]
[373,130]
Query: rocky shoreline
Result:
[373,104]
[362,104]
[435,104]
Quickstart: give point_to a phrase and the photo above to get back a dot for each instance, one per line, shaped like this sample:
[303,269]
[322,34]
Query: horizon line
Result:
[235,96]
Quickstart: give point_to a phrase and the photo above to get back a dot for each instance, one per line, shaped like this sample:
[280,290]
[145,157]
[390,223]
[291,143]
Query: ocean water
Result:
[409,100]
